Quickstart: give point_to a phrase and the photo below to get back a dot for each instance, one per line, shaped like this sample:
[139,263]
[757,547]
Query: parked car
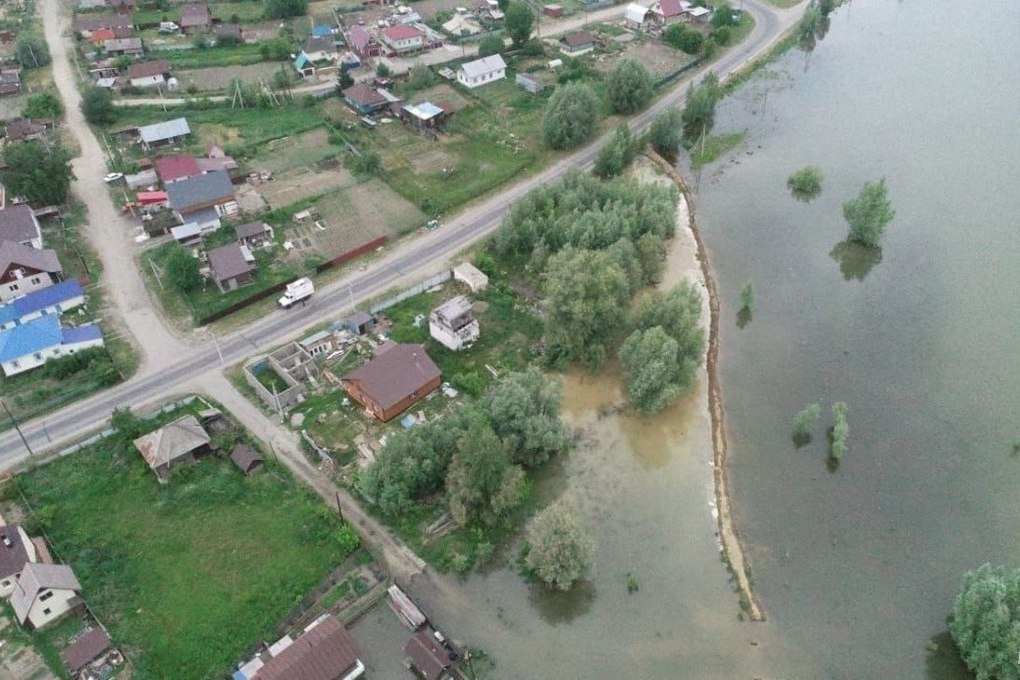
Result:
[113,177]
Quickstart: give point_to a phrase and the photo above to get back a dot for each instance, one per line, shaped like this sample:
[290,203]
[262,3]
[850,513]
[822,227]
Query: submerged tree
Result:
[699,109]
[840,430]
[666,133]
[868,214]
[560,550]
[803,421]
[985,623]
[747,296]
[653,377]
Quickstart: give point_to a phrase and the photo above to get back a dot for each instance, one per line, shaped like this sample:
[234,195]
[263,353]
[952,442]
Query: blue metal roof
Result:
[34,336]
[47,297]
[75,334]
[322,31]
[302,61]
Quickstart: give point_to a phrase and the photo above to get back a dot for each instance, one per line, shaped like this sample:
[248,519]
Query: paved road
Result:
[107,230]
[172,365]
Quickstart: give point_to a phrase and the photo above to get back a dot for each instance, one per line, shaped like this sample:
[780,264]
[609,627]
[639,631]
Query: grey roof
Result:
[159,132]
[196,192]
[250,229]
[453,308]
[171,441]
[483,66]
[395,374]
[245,458]
[142,179]
[13,557]
[123,44]
[36,578]
[194,14]
[18,223]
[228,262]
[44,260]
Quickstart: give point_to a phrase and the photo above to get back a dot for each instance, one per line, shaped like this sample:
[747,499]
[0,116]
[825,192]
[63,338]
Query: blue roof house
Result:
[32,344]
[322,31]
[55,300]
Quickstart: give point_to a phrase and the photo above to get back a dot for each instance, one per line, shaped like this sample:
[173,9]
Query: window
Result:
[14,286]
[6,584]
[46,611]
[45,596]
[35,280]
[37,356]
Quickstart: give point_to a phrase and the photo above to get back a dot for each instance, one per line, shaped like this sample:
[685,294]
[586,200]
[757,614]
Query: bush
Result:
[629,86]
[805,183]
[616,154]
[570,116]
[284,9]
[722,35]
[97,106]
[44,105]
[681,37]
[666,133]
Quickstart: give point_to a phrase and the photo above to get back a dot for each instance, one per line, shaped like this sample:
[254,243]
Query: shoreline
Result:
[732,550]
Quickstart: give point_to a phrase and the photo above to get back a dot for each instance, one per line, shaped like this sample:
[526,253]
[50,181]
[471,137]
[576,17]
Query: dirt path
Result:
[732,549]
[107,230]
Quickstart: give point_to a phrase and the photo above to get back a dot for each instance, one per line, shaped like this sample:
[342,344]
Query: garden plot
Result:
[220,77]
[306,182]
[659,59]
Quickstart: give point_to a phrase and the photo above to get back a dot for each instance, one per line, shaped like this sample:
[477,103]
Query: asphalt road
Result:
[171,370]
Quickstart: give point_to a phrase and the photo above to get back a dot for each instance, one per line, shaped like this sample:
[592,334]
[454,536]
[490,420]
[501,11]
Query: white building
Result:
[32,344]
[403,38]
[482,71]
[44,593]
[453,324]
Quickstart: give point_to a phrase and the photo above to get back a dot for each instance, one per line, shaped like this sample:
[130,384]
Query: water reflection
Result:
[943,662]
[556,606]
[744,317]
[855,261]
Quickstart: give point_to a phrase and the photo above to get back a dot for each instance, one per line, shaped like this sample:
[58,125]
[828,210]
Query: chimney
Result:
[7,541]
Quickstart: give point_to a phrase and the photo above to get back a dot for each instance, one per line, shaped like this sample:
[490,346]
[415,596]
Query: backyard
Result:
[187,576]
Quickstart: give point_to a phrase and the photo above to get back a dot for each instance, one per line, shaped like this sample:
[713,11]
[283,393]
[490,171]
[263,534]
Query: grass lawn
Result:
[187,575]
[242,12]
[235,55]
[785,4]
[714,147]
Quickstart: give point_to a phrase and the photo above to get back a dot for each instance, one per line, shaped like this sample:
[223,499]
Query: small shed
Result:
[180,441]
[529,83]
[553,11]
[635,15]
[359,323]
[318,343]
[471,276]
[91,645]
[246,459]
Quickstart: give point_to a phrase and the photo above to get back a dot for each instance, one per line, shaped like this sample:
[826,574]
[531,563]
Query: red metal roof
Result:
[147,197]
[173,168]
[402,32]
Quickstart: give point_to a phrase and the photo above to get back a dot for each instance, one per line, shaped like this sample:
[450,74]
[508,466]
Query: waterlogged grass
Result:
[715,147]
[187,575]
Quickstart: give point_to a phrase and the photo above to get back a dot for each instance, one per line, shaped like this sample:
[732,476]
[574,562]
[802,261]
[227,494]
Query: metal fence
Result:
[417,289]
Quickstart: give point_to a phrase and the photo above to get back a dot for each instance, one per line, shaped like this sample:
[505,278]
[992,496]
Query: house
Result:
[553,11]
[188,235]
[461,25]
[164,133]
[320,48]
[144,179]
[669,11]
[175,168]
[176,443]
[151,201]
[24,269]
[395,378]
[10,82]
[453,324]
[471,276]
[325,651]
[322,31]
[246,460]
[403,38]
[363,43]
[16,550]
[482,71]
[85,5]
[195,17]
[203,199]
[231,266]
[427,656]
[101,35]
[635,15]
[45,593]
[118,46]
[698,15]
[424,115]
[19,224]
[55,299]
[304,65]
[90,646]
[365,99]
[148,73]
[85,25]
[216,159]
[577,42]
[253,234]
[30,345]
[24,129]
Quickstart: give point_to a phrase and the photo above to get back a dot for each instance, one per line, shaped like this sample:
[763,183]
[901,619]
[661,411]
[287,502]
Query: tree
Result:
[585,298]
[524,412]
[570,116]
[482,484]
[666,133]
[747,296]
[868,214]
[629,86]
[616,154]
[722,17]
[721,35]
[678,313]
[421,77]
[491,44]
[344,80]
[281,78]
[699,108]
[366,163]
[44,105]
[31,51]
[559,549]
[806,418]
[97,106]
[382,70]
[413,464]
[840,430]
[503,4]
[679,36]
[651,250]
[652,376]
[985,623]
[284,9]
[519,22]
[805,183]
[38,170]
[181,269]
[810,23]
[127,424]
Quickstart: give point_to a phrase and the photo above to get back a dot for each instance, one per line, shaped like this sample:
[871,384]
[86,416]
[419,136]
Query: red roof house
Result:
[173,168]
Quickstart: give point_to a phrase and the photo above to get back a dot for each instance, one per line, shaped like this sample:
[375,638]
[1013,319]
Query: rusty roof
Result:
[325,652]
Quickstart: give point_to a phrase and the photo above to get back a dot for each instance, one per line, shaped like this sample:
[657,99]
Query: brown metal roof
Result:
[227,262]
[326,652]
[13,557]
[146,69]
[427,655]
[171,441]
[245,458]
[395,374]
[85,650]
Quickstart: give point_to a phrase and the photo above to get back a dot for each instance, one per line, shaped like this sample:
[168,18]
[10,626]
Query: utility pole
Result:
[17,427]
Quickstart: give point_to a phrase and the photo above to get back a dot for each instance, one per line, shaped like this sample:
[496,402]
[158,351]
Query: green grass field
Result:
[188,575]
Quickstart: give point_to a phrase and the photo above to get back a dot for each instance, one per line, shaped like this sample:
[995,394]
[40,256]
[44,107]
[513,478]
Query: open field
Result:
[220,77]
[235,55]
[659,59]
[188,575]
[299,183]
[296,151]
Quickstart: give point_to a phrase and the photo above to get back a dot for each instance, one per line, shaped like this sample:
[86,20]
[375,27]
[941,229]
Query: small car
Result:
[113,177]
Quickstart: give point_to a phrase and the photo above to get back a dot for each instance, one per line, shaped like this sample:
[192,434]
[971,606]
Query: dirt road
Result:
[107,230]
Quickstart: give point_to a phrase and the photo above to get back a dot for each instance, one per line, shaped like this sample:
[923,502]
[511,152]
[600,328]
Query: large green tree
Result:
[616,154]
[44,105]
[559,549]
[39,170]
[284,9]
[586,294]
[181,269]
[699,108]
[524,411]
[570,116]
[986,622]
[97,106]
[678,313]
[491,44]
[519,21]
[869,213]
[666,133]
[30,50]
[653,377]
[482,484]
[629,85]
[684,38]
